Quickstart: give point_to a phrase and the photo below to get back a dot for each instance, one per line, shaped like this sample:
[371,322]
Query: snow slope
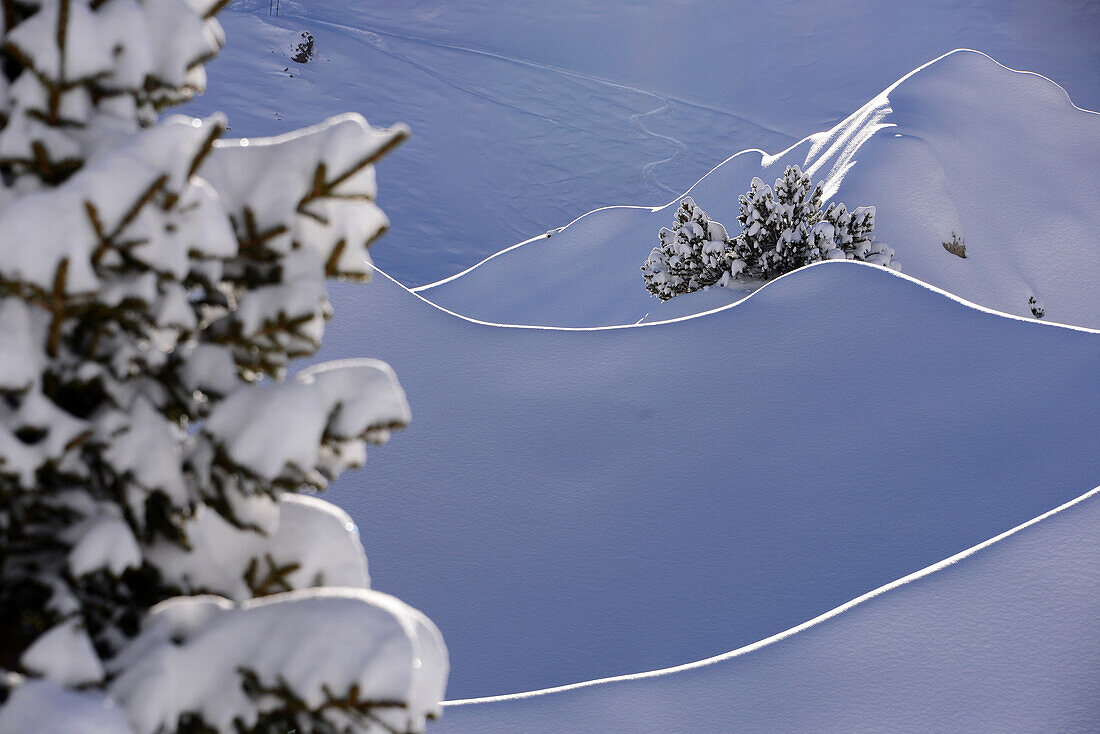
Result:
[1002,639]
[961,145]
[568,505]
[573,504]
[528,114]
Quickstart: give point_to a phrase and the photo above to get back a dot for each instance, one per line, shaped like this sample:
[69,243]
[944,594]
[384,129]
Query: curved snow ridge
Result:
[923,152]
[746,649]
[922,67]
[544,236]
[917,428]
[547,235]
[614,207]
[763,291]
[846,138]
[815,139]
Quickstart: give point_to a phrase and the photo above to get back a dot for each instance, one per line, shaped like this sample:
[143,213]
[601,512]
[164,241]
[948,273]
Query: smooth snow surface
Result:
[526,115]
[1001,640]
[43,707]
[570,505]
[1012,169]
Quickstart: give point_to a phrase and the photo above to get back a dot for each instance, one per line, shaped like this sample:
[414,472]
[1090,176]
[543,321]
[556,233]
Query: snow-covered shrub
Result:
[785,228]
[691,256]
[782,229]
[155,283]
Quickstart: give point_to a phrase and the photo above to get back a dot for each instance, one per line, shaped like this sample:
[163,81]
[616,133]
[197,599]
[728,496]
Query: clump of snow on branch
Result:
[44,707]
[306,543]
[155,284]
[360,658]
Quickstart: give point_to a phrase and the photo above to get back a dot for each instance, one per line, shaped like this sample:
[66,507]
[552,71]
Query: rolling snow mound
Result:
[573,504]
[999,638]
[961,145]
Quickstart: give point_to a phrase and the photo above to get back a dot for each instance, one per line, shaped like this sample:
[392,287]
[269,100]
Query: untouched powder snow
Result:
[961,145]
[528,114]
[570,505]
[1001,639]
[44,707]
[574,504]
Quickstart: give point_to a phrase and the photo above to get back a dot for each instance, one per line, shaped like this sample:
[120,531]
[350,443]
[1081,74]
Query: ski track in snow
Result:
[371,37]
[555,70]
[679,145]
[375,35]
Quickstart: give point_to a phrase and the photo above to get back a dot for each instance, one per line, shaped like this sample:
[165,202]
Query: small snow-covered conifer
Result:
[155,284]
[691,256]
[782,229]
[785,228]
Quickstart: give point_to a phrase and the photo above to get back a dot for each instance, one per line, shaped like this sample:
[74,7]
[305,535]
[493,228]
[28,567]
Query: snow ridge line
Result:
[815,139]
[769,284]
[916,576]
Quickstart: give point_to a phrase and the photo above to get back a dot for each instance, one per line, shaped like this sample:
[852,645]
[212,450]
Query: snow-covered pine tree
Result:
[158,570]
[691,256]
[853,234]
[785,228]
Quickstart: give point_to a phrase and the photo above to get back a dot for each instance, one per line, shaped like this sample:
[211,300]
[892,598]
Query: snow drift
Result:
[573,504]
[998,640]
[961,145]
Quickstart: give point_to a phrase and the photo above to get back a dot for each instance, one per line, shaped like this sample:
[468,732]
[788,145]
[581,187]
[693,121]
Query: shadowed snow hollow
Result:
[569,505]
[962,145]
[1003,640]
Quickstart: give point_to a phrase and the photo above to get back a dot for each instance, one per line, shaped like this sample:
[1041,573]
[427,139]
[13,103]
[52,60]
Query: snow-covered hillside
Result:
[1001,640]
[526,115]
[574,503]
[961,145]
[850,499]
[569,505]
